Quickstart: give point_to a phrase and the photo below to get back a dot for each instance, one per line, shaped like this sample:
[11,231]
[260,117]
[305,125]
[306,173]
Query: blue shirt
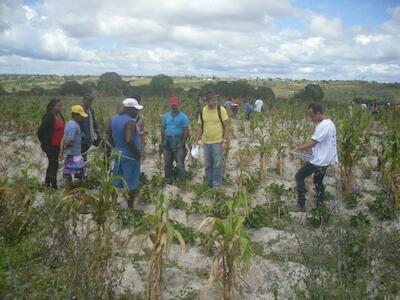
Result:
[72,132]
[175,125]
[118,124]
[248,106]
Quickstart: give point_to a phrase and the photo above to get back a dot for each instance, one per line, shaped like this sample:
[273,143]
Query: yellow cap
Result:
[77,109]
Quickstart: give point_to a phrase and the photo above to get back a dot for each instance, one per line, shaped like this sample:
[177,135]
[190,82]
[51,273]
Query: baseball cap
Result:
[174,100]
[77,109]
[131,102]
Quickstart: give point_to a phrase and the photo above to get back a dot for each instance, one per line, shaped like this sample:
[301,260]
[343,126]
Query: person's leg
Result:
[131,174]
[48,170]
[318,178]
[52,169]
[306,170]
[208,162]
[218,161]
[84,149]
[179,156]
[131,198]
[168,163]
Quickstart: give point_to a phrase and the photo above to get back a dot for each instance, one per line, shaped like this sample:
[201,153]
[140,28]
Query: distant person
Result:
[259,105]
[324,154]
[71,148]
[214,130]
[124,136]
[364,106]
[228,105]
[89,128]
[249,109]
[235,106]
[50,134]
[174,133]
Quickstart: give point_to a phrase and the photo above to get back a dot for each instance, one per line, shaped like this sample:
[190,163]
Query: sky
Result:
[341,39]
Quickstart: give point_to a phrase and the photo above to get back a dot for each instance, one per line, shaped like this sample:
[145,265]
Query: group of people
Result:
[70,142]
[233,104]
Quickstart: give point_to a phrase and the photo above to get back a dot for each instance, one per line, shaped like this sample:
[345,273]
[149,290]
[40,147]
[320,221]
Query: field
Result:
[244,241]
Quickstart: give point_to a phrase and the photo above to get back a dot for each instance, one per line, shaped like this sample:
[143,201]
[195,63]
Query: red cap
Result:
[174,100]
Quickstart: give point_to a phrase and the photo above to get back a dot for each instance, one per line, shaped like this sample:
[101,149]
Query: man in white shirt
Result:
[259,105]
[324,154]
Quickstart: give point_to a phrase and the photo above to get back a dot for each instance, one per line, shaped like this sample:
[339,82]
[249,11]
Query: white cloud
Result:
[221,37]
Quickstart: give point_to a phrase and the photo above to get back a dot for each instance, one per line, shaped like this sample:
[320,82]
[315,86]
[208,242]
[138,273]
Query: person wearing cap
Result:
[70,149]
[124,136]
[174,133]
[89,127]
[214,130]
[140,120]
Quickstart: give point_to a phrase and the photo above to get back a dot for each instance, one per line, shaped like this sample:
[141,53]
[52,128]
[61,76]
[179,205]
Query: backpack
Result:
[219,116]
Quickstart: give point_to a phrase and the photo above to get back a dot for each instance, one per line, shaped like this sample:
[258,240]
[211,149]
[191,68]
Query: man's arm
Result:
[109,135]
[199,132]
[226,135]
[305,147]
[185,136]
[130,129]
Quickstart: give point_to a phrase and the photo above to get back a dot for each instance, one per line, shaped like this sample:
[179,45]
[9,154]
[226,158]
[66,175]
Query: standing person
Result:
[235,106]
[124,136]
[249,109]
[50,133]
[228,105]
[71,148]
[174,133]
[89,127]
[140,121]
[324,154]
[259,105]
[214,129]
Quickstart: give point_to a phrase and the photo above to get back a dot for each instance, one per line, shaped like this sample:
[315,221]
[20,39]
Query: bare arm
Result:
[305,147]
[109,135]
[185,136]
[130,129]
[199,132]
[226,130]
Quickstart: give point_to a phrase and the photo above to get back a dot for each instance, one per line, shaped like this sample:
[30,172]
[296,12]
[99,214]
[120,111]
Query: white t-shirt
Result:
[324,153]
[259,104]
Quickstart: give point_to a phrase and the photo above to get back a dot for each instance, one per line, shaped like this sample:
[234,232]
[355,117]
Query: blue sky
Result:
[258,38]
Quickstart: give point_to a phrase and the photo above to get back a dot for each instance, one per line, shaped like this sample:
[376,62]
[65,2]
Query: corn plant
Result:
[352,143]
[159,229]
[264,150]
[391,172]
[234,252]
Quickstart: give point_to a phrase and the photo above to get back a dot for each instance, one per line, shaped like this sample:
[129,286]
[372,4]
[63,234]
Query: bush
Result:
[161,85]
[311,93]
[72,88]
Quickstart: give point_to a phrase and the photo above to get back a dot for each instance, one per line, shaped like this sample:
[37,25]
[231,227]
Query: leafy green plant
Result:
[274,213]
[382,209]
[233,253]
[159,229]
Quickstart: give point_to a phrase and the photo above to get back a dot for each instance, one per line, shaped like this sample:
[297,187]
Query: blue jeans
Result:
[213,159]
[172,152]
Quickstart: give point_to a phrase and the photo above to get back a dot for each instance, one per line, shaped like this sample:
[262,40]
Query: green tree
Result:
[71,88]
[311,92]
[111,84]
[161,85]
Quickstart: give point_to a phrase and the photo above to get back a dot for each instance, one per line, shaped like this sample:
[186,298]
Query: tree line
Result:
[112,84]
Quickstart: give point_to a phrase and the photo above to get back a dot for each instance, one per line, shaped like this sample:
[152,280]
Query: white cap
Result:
[131,102]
